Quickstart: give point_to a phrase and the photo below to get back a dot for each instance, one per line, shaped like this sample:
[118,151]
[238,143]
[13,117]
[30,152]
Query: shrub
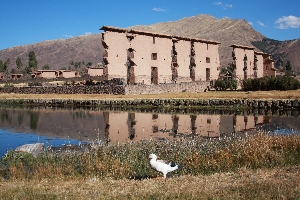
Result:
[271,83]
[225,84]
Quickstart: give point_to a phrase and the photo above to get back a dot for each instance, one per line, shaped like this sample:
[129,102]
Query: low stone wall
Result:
[287,104]
[76,89]
[193,87]
[110,88]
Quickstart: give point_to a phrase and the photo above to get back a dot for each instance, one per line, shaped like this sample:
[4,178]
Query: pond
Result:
[58,126]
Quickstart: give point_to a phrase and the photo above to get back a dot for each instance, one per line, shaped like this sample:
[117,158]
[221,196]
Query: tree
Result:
[32,61]
[6,64]
[89,64]
[46,67]
[288,66]
[1,66]
[19,63]
[228,71]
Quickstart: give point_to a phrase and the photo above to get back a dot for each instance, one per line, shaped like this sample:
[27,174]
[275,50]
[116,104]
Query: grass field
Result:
[278,183]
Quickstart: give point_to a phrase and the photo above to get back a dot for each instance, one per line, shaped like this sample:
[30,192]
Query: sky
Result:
[26,22]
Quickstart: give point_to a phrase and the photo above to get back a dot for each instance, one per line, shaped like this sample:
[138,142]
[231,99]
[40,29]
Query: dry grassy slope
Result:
[226,31]
[290,50]
[58,53]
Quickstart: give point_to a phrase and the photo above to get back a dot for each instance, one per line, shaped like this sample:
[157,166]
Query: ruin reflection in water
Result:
[121,126]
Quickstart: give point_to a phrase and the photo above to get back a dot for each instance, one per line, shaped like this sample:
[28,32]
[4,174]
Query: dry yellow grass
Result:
[283,183]
[290,94]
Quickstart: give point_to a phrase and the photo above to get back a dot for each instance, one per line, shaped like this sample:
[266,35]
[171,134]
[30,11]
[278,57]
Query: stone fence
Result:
[193,87]
[66,89]
[110,87]
[292,104]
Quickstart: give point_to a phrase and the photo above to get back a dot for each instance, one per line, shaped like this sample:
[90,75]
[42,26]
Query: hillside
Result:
[286,50]
[226,31]
[60,53]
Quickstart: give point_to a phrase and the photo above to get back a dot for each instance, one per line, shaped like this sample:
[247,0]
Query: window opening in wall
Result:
[154,128]
[208,121]
[206,46]
[154,56]
[267,68]
[207,60]
[207,74]
[154,116]
[154,75]
[130,53]
[153,40]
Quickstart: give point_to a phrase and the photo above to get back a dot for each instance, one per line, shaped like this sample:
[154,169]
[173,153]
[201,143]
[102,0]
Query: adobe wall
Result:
[203,51]
[183,49]
[68,74]
[143,47]
[117,55]
[268,67]
[122,64]
[95,72]
[240,54]
[47,75]
[260,65]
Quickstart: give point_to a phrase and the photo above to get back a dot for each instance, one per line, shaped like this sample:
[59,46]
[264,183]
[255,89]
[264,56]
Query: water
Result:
[58,126]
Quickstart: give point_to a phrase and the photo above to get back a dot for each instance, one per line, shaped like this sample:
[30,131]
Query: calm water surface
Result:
[58,126]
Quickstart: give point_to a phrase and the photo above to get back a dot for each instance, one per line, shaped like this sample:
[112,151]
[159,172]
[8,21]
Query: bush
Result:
[225,84]
[271,83]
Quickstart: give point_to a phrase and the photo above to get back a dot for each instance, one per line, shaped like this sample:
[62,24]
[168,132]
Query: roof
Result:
[123,30]
[261,53]
[49,70]
[241,46]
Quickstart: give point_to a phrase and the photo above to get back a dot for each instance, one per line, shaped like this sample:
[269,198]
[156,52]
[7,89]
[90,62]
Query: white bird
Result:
[162,166]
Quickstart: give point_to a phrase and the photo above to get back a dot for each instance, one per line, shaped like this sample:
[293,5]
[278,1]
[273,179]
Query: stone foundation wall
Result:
[110,88]
[193,87]
[259,105]
[97,89]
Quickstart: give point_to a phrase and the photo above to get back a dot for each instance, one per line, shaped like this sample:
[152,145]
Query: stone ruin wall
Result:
[193,87]
[111,88]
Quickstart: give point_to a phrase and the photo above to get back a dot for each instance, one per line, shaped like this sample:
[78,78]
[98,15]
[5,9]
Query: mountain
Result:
[226,31]
[281,50]
[60,53]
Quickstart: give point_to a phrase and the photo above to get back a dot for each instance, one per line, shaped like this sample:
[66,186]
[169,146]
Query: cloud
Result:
[228,5]
[159,9]
[218,3]
[68,36]
[251,23]
[287,22]
[87,33]
[260,23]
[224,6]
